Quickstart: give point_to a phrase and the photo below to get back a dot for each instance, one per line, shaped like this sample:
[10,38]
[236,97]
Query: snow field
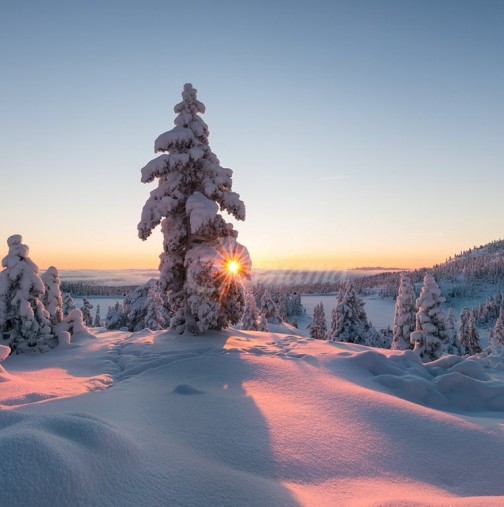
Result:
[248,418]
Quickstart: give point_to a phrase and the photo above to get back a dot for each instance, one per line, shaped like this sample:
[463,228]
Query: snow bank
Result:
[451,383]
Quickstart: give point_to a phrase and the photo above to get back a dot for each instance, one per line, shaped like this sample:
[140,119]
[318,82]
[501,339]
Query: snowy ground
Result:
[255,419]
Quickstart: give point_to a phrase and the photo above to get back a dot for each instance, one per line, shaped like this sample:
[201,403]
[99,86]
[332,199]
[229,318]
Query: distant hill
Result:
[473,273]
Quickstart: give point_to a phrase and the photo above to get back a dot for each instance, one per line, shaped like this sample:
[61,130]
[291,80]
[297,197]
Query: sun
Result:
[233,266]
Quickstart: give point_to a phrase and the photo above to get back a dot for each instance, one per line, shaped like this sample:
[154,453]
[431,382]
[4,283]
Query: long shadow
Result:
[196,437]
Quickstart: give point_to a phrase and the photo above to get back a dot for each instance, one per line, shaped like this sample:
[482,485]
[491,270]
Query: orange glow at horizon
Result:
[110,261]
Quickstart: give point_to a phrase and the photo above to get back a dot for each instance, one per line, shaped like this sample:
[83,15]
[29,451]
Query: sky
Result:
[360,133]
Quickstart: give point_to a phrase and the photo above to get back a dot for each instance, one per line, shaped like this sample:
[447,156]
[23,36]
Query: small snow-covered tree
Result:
[429,336]
[293,304]
[252,318]
[116,318]
[468,333]
[156,317]
[86,312]
[97,320]
[452,344]
[146,306]
[269,308]
[52,299]
[404,318]
[24,321]
[202,263]
[496,341]
[68,304]
[349,321]
[318,327]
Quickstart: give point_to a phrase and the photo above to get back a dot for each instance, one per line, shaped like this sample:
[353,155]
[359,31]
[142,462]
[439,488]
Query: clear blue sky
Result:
[360,132]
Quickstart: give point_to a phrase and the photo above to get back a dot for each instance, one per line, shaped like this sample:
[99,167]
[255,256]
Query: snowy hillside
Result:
[242,418]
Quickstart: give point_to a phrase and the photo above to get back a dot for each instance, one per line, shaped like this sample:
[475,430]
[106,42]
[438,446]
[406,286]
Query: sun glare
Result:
[233,266]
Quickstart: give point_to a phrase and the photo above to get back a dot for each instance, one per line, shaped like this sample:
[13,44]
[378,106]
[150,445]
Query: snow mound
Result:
[62,456]
[452,383]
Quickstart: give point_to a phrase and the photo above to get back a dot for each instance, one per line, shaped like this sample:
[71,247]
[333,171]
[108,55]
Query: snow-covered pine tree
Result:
[52,299]
[252,318]
[86,312]
[145,307]
[468,333]
[157,317]
[318,327]
[24,321]
[404,318]
[497,335]
[335,316]
[269,308]
[97,320]
[202,263]
[68,304]
[349,321]
[452,344]
[429,337]
[293,304]
[116,318]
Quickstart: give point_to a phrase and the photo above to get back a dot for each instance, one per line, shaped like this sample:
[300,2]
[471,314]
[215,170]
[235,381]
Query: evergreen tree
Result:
[404,319]
[452,345]
[269,308]
[156,317]
[116,317]
[335,316]
[468,333]
[497,335]
[349,320]
[68,304]
[86,312]
[51,298]
[146,306]
[318,328]
[293,304]
[252,318]
[429,336]
[202,263]
[24,321]
[97,320]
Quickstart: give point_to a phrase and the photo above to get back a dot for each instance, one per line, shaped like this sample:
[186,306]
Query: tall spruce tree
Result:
[202,263]
[404,318]
[430,335]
